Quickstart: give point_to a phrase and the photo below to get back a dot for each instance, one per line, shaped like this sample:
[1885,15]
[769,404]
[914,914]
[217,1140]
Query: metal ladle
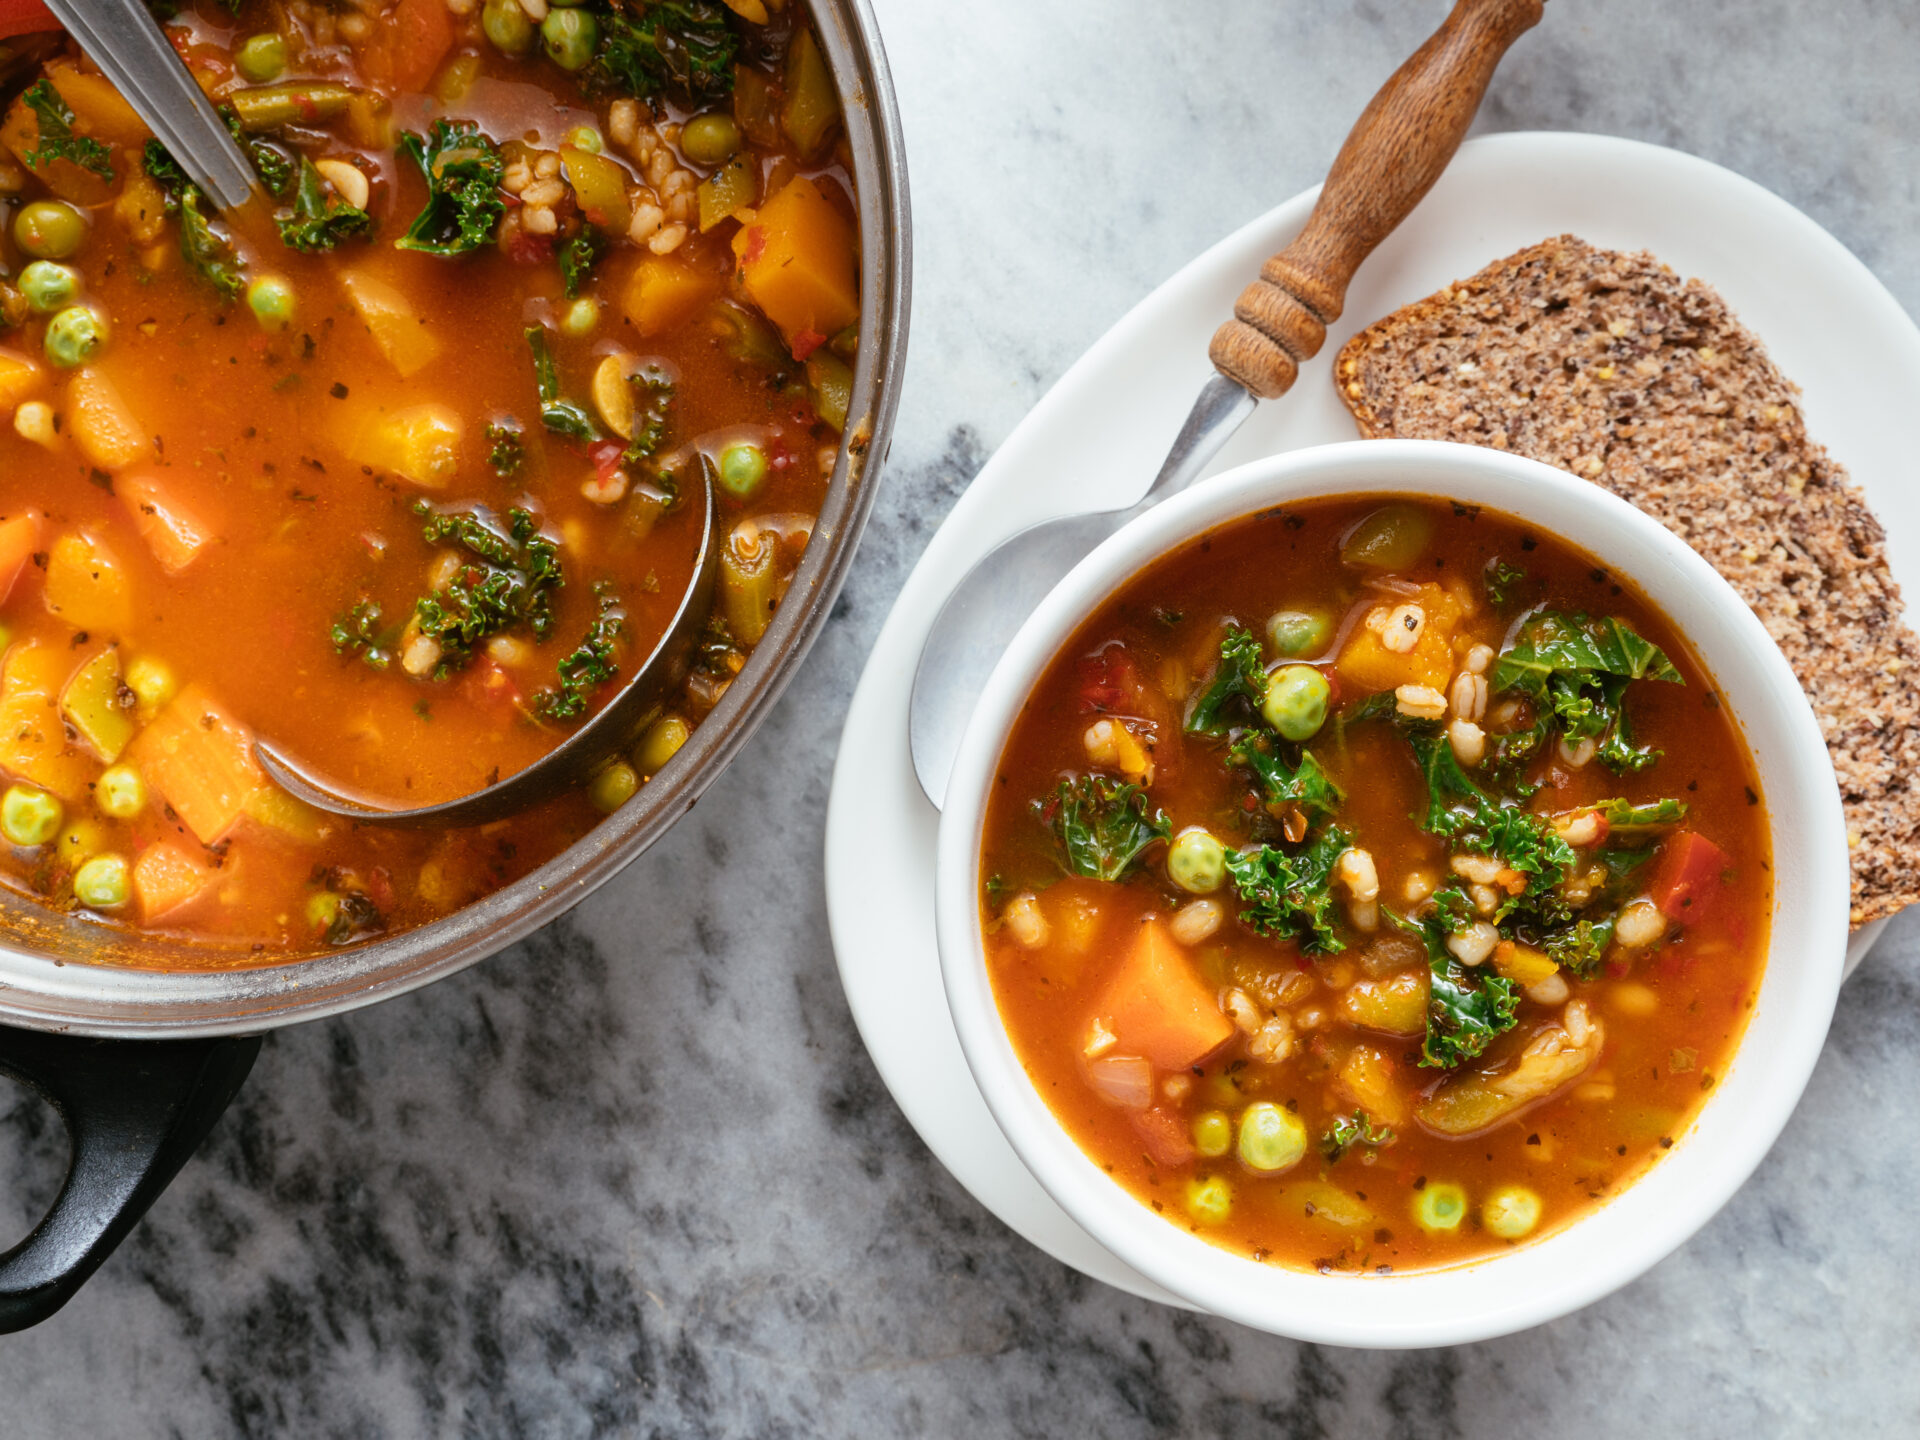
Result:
[570,763]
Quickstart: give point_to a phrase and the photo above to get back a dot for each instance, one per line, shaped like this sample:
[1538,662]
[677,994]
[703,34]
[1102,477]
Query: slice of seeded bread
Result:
[1613,367]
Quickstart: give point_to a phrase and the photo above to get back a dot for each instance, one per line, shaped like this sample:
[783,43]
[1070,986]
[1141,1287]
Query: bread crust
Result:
[1610,366]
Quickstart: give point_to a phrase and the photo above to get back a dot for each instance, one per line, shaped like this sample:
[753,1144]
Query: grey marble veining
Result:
[606,1185]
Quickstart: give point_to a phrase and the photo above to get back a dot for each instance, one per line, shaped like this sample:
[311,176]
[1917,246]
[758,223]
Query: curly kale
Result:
[319,219]
[652,398]
[1466,1011]
[683,49]
[363,631]
[1240,675]
[1351,1130]
[1289,891]
[1101,825]
[464,203]
[57,140]
[507,449]
[577,258]
[1284,786]
[504,581]
[1575,670]
[559,415]
[1500,578]
[207,253]
[589,666]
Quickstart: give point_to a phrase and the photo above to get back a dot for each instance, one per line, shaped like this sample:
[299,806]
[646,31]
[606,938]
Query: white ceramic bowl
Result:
[1620,1238]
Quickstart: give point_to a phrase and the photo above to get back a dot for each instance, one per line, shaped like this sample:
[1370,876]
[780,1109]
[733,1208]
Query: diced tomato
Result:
[1108,680]
[529,249]
[1691,872]
[1164,1136]
[606,456]
[806,342]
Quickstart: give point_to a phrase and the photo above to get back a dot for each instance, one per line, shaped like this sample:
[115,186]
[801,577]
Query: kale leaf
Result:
[57,140]
[319,219]
[1102,825]
[1576,671]
[563,417]
[464,203]
[1466,1011]
[1306,785]
[653,396]
[1240,675]
[364,631]
[1579,946]
[577,259]
[207,253]
[1624,818]
[1291,892]
[1351,1130]
[504,581]
[683,48]
[507,447]
[588,666]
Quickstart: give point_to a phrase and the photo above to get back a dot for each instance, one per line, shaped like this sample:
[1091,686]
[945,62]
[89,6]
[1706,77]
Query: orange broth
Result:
[273,447]
[1159,1030]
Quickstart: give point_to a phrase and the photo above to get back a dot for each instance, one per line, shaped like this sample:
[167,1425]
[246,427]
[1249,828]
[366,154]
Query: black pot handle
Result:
[134,1111]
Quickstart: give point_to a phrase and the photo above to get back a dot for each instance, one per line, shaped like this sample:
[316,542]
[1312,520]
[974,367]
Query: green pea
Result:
[29,816]
[1440,1208]
[1209,1201]
[75,336]
[743,469]
[1391,538]
[581,318]
[1212,1133]
[261,57]
[613,787]
[1197,862]
[103,883]
[569,37]
[711,138]
[507,26]
[49,285]
[1511,1212]
[1296,703]
[1300,632]
[49,229]
[1272,1138]
[585,137]
[661,743]
[272,301]
[121,793]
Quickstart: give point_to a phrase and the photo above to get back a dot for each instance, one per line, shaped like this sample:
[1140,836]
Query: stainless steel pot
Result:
[59,975]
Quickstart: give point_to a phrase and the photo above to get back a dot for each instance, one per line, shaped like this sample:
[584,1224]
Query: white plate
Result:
[1096,438]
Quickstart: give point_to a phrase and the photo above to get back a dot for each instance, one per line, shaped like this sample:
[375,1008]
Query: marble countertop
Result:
[598,1187]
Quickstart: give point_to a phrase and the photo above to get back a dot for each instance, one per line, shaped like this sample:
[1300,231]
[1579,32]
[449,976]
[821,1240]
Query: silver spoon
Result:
[1390,160]
[124,40]
[570,763]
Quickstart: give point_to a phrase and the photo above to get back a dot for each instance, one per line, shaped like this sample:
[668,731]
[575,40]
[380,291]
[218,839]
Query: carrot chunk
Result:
[1157,1007]
[200,759]
[172,531]
[166,879]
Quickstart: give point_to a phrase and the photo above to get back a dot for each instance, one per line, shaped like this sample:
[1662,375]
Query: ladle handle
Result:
[1392,156]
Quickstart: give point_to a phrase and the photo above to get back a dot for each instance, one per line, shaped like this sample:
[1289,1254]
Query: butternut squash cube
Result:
[87,586]
[396,326]
[1368,665]
[797,261]
[33,737]
[19,378]
[1370,1081]
[167,879]
[420,443]
[105,428]
[663,291]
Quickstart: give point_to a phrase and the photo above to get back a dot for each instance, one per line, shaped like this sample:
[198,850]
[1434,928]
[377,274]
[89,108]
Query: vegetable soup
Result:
[403,466]
[1373,884]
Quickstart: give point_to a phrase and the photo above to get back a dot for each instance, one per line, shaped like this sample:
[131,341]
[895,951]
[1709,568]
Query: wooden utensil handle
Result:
[1393,155]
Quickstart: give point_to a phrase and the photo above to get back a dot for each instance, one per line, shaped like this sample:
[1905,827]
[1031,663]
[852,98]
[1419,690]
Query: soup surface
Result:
[1373,885]
[402,467]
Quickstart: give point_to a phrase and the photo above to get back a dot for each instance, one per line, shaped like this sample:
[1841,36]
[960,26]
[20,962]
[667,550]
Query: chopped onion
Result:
[1124,1079]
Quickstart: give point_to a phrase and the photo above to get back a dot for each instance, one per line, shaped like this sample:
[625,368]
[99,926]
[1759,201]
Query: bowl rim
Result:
[57,974]
[1621,1237]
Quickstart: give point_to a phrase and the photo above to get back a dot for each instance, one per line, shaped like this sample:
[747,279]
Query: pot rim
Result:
[61,974]
[1624,1235]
